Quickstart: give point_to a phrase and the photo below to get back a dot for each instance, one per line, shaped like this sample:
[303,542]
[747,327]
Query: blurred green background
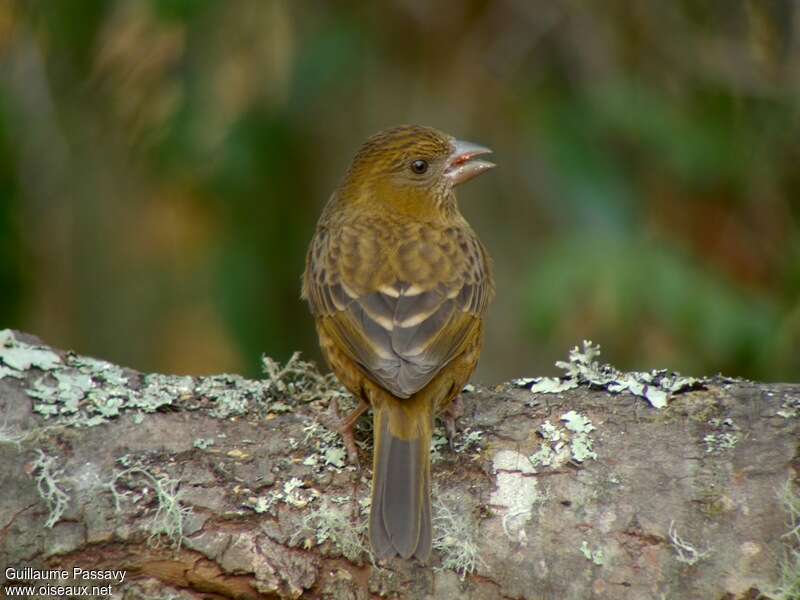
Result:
[163,163]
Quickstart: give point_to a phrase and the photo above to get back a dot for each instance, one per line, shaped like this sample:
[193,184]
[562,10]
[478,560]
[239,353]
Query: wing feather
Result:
[401,316]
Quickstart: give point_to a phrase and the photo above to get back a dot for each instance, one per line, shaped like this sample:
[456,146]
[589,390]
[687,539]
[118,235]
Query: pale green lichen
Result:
[63,396]
[326,448]
[546,385]
[789,585]
[554,450]
[580,442]
[560,445]
[686,552]
[717,442]
[725,438]
[169,516]
[595,556]
[469,440]
[335,457]
[264,504]
[515,494]
[438,444]
[50,486]
[8,372]
[455,535]
[232,395]
[18,356]
[203,443]
[294,492]
[544,457]
[11,435]
[790,408]
[160,390]
[576,422]
[299,381]
[583,368]
[337,526]
[83,392]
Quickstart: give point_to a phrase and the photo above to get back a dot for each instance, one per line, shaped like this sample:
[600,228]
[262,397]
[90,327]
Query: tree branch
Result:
[223,487]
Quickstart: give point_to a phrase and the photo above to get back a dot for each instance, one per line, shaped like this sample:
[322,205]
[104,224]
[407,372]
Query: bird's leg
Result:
[345,427]
[453,411]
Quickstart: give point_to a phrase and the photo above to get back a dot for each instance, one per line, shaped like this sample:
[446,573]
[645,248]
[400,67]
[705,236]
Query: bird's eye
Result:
[419,166]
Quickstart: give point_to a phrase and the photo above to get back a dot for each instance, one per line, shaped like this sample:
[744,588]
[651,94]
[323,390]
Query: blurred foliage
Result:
[163,162]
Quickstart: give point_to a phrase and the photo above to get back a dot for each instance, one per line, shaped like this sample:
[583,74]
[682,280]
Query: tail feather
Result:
[423,551]
[400,518]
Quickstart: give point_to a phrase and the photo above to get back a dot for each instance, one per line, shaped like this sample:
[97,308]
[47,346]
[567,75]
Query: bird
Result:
[398,284]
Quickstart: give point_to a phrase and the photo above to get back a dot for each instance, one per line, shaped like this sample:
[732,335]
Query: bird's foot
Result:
[450,414]
[345,428]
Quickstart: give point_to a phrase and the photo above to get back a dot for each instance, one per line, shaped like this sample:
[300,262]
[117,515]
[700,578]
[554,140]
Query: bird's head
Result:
[411,169]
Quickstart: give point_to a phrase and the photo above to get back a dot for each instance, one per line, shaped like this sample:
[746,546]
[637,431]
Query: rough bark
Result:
[197,502]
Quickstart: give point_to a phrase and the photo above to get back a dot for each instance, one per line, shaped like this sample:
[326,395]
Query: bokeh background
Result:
[163,163]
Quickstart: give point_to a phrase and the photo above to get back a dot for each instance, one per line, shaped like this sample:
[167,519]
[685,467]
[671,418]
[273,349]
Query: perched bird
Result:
[398,284]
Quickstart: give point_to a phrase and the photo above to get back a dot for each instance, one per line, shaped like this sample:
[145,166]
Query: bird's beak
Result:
[460,166]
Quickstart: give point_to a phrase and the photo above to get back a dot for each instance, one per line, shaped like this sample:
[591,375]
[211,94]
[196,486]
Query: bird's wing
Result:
[404,313]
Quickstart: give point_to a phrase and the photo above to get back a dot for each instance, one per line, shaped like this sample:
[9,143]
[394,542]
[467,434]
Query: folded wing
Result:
[401,317]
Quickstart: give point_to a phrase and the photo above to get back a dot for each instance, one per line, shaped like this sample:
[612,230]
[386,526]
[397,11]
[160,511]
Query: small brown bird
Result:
[398,284]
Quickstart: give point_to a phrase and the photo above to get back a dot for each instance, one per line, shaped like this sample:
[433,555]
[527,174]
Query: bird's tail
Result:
[400,518]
